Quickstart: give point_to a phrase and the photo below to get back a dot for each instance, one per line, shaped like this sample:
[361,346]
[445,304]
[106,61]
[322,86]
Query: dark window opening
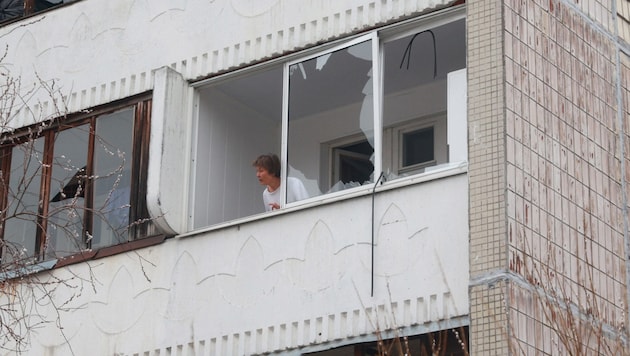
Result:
[452,342]
[353,162]
[417,147]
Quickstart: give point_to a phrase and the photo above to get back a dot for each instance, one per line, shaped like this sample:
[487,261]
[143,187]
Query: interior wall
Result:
[309,133]
[230,137]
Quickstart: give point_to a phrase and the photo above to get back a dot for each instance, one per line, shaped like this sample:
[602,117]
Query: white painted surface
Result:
[276,284]
[169,148]
[457,116]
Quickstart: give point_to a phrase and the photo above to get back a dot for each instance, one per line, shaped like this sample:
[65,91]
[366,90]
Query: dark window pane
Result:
[112,184]
[11,8]
[418,146]
[353,162]
[23,200]
[67,192]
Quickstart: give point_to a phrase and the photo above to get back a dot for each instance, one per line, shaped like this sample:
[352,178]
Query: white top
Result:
[295,192]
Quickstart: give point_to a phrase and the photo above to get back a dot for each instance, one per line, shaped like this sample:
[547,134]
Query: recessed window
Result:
[417,147]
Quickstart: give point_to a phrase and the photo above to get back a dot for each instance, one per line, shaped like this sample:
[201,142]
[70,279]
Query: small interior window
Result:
[352,163]
[418,147]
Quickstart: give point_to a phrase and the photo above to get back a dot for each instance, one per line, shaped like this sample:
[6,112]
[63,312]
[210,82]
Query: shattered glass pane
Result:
[330,96]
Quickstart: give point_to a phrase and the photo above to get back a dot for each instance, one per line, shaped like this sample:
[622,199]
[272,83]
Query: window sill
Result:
[438,172]
[79,257]
[27,270]
[110,250]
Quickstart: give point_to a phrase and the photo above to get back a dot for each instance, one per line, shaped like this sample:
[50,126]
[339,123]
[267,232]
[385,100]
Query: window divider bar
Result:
[44,195]
[284,151]
[89,186]
[377,90]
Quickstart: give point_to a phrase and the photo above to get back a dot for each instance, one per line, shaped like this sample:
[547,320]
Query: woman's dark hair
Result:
[270,162]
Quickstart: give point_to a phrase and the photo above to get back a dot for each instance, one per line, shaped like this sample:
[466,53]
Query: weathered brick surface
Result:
[488,320]
[486,111]
[547,146]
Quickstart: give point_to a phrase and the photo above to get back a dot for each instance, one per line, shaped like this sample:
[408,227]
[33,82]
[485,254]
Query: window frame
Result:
[139,218]
[372,36]
[438,122]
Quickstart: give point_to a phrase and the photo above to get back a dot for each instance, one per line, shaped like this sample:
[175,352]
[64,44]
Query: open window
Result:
[239,119]
[337,116]
[75,185]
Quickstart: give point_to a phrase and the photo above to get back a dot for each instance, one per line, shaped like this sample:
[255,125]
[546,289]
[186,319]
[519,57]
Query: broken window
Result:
[331,96]
[338,117]
[70,187]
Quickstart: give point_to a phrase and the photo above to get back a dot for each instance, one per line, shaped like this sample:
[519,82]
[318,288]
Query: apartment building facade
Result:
[466,166]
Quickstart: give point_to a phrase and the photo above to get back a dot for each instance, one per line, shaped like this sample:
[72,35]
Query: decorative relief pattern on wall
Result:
[318,251]
[251,281]
[92,53]
[331,327]
[269,286]
[398,249]
[122,308]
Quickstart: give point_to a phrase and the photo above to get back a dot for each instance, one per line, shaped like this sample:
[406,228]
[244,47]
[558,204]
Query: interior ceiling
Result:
[337,82]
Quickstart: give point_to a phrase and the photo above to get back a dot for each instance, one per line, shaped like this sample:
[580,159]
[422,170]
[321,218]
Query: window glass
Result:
[67,192]
[23,209]
[112,178]
[331,96]
[415,68]
[328,139]
[73,188]
[417,147]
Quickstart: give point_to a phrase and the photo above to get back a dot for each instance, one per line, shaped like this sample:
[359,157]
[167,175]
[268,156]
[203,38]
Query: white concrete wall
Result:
[297,279]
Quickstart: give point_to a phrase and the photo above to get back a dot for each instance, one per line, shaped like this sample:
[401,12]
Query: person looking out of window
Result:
[268,174]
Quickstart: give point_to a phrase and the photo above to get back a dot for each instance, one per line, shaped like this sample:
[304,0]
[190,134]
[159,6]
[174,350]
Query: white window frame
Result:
[437,122]
[376,90]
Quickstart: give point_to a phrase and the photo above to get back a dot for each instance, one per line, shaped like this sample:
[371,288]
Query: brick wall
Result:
[486,112]
[548,212]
